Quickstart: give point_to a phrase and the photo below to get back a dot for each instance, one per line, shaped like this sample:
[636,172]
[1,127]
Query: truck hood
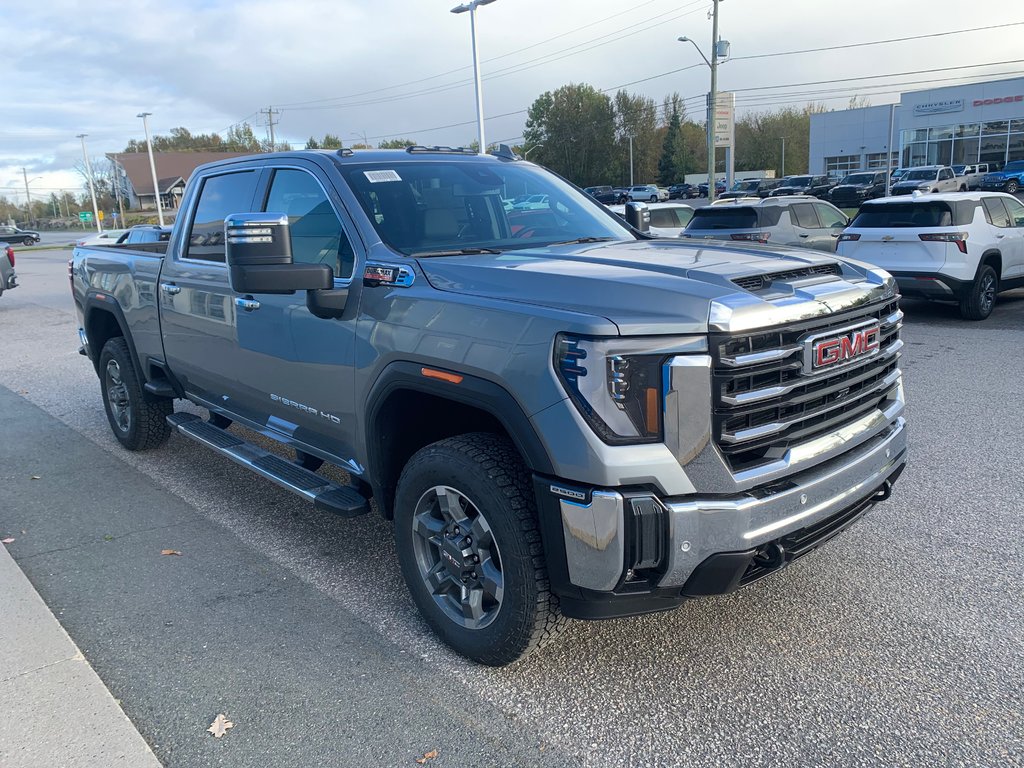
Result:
[658,286]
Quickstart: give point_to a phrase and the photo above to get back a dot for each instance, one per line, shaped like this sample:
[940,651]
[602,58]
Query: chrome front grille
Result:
[764,404]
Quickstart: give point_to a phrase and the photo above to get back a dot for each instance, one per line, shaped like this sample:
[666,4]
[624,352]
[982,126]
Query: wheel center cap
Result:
[454,556]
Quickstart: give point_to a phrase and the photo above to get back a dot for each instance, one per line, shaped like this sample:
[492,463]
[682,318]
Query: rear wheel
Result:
[980,299]
[1012,186]
[470,549]
[137,418]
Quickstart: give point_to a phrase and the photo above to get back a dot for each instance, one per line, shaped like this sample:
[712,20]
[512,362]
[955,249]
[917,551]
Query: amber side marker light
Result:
[451,378]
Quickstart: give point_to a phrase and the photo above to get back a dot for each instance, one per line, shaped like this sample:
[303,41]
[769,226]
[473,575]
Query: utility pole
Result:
[270,112]
[712,102]
[28,198]
[152,167]
[92,188]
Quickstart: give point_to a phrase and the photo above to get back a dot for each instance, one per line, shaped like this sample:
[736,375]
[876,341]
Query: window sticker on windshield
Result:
[376,177]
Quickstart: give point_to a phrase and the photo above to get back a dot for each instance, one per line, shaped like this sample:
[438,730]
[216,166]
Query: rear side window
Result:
[669,217]
[723,218]
[219,197]
[829,216]
[1016,211]
[995,212]
[903,215]
[804,216]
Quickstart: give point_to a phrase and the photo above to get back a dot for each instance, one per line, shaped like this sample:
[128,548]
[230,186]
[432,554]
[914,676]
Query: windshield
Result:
[797,181]
[437,206]
[859,178]
[919,176]
[745,186]
[959,169]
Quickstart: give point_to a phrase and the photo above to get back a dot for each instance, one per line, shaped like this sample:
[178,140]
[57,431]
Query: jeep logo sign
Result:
[834,349]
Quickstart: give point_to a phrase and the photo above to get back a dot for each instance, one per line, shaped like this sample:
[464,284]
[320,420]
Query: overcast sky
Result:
[349,67]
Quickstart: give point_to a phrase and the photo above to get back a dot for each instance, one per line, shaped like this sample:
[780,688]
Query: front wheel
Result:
[980,299]
[654,198]
[28,241]
[1012,186]
[137,418]
[470,550]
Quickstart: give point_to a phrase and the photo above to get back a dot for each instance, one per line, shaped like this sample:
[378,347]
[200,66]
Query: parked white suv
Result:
[963,247]
[647,193]
[667,219]
[929,178]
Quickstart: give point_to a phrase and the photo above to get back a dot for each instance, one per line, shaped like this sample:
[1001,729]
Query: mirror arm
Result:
[327,304]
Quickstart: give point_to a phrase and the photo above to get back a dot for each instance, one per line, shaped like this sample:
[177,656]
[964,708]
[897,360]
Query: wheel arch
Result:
[103,319]
[407,411]
[994,258]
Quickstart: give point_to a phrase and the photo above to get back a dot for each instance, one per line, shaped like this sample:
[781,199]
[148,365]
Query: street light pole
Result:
[471,7]
[28,198]
[712,102]
[783,155]
[92,188]
[152,167]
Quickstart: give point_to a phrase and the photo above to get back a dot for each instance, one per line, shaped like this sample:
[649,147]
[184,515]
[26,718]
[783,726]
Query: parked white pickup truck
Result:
[972,174]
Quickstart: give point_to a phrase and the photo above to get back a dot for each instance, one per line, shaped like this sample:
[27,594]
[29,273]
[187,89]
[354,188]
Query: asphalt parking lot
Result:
[900,644]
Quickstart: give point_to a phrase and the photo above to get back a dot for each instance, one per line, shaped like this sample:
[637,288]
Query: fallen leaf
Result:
[170,552]
[8,540]
[220,726]
[36,477]
[427,756]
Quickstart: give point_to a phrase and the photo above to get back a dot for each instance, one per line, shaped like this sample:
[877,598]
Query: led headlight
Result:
[616,384]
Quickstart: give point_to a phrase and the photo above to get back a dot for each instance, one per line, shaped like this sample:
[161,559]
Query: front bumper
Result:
[702,546]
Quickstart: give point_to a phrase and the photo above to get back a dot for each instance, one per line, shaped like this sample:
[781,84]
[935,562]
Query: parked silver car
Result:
[8,277]
[796,220]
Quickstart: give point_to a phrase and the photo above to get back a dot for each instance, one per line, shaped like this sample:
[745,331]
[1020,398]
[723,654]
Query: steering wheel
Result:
[530,232]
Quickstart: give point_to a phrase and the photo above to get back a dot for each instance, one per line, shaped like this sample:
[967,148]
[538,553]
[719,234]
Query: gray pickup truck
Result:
[564,417]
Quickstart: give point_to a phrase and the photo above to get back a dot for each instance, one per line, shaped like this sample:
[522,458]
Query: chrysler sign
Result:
[939,107]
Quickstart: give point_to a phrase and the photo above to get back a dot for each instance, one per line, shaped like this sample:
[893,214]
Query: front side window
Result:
[219,197]
[945,174]
[829,216]
[316,232]
[440,206]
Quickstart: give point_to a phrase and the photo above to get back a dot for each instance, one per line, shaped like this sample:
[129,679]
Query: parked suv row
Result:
[817,186]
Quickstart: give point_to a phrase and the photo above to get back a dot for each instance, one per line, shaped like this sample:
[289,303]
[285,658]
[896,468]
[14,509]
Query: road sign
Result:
[85,216]
[725,113]
[101,215]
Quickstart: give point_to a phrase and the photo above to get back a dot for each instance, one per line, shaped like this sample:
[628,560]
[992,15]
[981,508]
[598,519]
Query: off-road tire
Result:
[1012,186]
[146,425]
[979,299]
[488,471]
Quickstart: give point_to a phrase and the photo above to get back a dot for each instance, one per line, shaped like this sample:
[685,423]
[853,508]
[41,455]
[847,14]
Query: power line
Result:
[876,42]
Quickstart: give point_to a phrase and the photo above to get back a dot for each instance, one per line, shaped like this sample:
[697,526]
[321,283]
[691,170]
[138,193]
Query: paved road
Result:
[899,644]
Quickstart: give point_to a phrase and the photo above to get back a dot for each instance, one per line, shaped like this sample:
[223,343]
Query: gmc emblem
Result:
[834,349]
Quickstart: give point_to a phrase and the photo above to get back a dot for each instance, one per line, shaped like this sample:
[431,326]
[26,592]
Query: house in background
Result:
[173,170]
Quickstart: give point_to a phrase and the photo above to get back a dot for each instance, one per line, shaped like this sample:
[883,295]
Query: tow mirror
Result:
[638,216]
[258,251]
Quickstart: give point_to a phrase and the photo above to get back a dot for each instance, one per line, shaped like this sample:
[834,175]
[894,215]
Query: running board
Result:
[326,495]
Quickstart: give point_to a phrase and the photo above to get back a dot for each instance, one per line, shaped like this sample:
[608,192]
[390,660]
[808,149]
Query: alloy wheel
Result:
[117,397]
[457,557]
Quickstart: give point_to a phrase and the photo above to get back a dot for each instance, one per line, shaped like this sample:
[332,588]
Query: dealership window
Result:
[999,127]
[971,129]
[993,149]
[878,160]
[838,166]
[936,134]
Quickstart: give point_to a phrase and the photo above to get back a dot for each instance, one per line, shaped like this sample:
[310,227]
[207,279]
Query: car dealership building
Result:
[976,123]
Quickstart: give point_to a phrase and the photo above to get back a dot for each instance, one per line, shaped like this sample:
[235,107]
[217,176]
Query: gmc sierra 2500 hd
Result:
[563,417]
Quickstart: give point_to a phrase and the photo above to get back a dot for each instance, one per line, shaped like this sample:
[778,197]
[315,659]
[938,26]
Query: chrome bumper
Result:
[596,537]
[12,280]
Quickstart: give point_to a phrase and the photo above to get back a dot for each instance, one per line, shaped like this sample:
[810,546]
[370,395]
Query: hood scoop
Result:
[755,283]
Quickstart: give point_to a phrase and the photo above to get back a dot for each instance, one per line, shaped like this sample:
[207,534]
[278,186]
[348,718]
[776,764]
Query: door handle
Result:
[804,235]
[1000,236]
[170,289]
[246,303]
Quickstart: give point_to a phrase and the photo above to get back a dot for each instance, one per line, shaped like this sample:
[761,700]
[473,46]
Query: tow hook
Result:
[771,556]
[883,493]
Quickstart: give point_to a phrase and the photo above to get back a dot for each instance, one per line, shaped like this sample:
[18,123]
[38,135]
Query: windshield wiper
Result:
[454,252]
[581,240]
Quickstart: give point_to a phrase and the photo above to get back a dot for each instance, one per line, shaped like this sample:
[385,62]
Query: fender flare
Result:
[97,301]
[473,391]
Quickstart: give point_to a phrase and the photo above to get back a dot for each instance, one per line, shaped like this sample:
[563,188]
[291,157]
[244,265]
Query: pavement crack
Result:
[108,538]
[76,657]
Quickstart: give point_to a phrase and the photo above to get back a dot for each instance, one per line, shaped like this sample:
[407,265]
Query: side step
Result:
[326,495]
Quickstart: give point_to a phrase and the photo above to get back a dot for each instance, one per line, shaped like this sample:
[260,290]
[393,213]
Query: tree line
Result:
[587,136]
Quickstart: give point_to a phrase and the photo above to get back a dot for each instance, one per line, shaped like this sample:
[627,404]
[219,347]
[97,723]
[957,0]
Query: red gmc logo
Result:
[840,349]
